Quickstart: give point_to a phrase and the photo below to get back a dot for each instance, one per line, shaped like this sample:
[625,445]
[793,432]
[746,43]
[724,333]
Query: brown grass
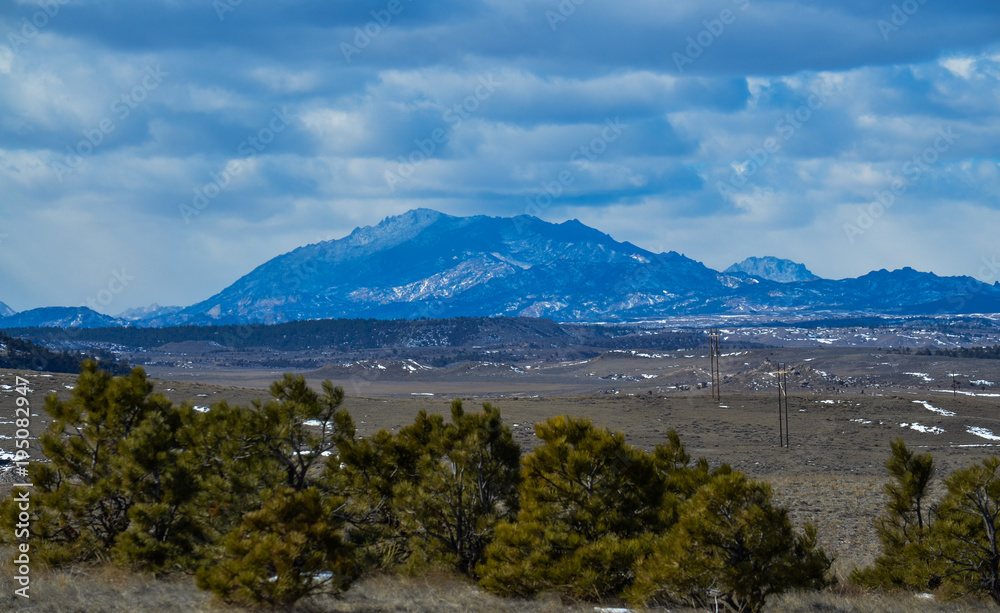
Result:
[843,509]
[850,600]
[102,589]
[105,589]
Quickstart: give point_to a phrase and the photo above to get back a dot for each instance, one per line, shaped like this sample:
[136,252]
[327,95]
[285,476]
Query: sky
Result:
[154,151]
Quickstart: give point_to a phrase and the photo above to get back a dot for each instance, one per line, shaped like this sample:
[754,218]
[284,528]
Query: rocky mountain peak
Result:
[773,269]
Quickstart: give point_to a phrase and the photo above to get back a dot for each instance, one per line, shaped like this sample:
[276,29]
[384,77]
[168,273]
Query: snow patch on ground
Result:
[982,433]
[926,377]
[933,408]
[922,428]
[968,393]
[640,354]
[413,365]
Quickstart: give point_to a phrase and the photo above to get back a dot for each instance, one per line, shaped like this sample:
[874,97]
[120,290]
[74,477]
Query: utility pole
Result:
[713,338]
[782,374]
[788,432]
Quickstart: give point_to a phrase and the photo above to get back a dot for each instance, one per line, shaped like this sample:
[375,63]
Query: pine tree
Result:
[285,551]
[590,504]
[730,547]
[468,480]
[166,527]
[298,427]
[964,541]
[904,527]
[369,472]
[233,471]
[118,485]
[290,544]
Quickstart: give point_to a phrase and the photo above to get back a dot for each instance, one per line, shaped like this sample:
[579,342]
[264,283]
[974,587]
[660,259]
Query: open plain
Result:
[845,406]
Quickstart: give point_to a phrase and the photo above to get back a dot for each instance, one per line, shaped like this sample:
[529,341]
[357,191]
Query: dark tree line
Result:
[21,354]
[361,334]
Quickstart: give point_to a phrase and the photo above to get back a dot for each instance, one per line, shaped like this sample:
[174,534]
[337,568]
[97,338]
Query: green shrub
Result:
[290,543]
[590,504]
[467,481]
[964,542]
[904,527]
[369,472]
[431,493]
[731,547]
[134,479]
[118,484]
[285,551]
[952,548]
[297,427]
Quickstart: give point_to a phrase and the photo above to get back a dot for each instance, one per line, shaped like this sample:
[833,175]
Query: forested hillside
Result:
[356,334]
[20,354]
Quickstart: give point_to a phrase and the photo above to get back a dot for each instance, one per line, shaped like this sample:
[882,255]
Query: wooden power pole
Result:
[782,374]
[713,338]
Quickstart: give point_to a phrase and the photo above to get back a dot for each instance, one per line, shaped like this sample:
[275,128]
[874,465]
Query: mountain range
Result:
[428,264]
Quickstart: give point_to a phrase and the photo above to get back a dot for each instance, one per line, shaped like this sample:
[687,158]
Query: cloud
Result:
[806,110]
